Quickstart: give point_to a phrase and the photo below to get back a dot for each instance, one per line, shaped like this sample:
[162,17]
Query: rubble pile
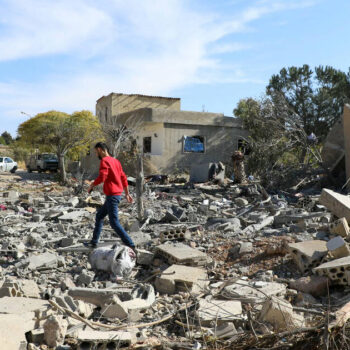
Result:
[217,265]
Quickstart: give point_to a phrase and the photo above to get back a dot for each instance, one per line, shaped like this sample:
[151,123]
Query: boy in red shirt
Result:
[114,183]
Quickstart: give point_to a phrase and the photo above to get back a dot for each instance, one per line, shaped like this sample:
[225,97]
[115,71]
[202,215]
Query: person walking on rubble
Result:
[115,183]
[238,167]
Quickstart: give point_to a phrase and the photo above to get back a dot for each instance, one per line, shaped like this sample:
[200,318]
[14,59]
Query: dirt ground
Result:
[24,175]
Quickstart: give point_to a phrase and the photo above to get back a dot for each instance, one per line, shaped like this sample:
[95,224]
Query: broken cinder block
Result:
[337,270]
[308,254]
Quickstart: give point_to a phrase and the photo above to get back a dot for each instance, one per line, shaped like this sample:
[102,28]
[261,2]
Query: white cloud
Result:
[32,28]
[139,46]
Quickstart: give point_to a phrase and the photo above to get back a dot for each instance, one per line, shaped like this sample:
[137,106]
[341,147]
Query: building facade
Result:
[169,138]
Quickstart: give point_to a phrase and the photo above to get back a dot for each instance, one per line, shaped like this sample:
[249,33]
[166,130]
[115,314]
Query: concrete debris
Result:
[87,339]
[178,278]
[340,227]
[55,329]
[181,254]
[336,203]
[338,248]
[218,311]
[280,314]
[314,285]
[212,261]
[341,316]
[254,292]
[337,270]
[308,254]
[35,262]
[144,257]
[115,308]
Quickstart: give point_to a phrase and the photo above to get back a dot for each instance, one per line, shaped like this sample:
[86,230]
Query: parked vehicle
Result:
[42,162]
[8,164]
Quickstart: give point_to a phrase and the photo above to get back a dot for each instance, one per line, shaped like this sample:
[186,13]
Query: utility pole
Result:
[139,185]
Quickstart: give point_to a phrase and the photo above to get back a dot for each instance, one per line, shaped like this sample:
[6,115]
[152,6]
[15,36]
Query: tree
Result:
[317,97]
[277,138]
[120,136]
[7,137]
[60,133]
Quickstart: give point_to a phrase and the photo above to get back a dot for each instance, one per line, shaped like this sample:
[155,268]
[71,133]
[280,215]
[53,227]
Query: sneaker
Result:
[90,244]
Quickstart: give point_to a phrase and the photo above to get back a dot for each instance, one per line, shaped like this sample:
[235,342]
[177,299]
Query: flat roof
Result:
[159,115]
[139,95]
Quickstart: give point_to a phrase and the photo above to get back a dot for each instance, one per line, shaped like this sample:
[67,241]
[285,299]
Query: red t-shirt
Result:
[113,176]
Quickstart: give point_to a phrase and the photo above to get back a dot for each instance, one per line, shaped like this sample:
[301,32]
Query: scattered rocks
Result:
[209,259]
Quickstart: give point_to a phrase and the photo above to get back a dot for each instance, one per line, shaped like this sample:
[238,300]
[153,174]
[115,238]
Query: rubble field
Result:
[218,267]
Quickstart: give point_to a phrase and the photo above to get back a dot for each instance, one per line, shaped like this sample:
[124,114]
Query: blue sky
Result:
[66,54]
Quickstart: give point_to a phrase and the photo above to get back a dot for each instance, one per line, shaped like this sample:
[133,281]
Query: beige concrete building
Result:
[114,104]
[346,121]
[170,139]
[336,150]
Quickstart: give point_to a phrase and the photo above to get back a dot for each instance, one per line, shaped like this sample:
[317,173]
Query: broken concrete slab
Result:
[182,278]
[341,316]
[257,227]
[340,227]
[115,308]
[308,254]
[34,262]
[337,203]
[98,297]
[87,339]
[181,254]
[21,305]
[73,216]
[279,313]
[337,270]
[315,285]
[219,311]
[17,325]
[250,292]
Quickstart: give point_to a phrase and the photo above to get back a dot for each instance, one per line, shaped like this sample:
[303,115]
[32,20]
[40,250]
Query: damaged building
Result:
[171,139]
[336,150]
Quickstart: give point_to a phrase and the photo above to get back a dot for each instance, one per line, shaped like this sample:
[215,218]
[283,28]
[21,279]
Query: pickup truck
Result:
[8,164]
[42,162]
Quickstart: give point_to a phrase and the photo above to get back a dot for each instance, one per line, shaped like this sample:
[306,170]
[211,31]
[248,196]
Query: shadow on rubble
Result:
[23,175]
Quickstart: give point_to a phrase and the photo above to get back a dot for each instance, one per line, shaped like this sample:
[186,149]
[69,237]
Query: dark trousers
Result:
[110,208]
